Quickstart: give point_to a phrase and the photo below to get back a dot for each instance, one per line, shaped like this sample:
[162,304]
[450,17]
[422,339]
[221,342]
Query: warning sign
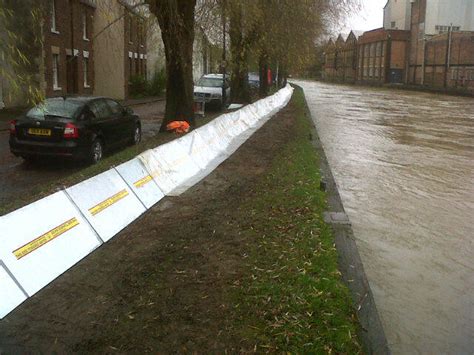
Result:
[45,238]
[108,202]
[142,182]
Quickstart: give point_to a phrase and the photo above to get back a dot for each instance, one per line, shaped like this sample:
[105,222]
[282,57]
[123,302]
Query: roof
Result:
[213,76]
[357,33]
[77,98]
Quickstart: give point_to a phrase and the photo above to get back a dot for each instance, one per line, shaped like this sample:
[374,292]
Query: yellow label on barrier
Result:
[45,238]
[109,202]
[143,181]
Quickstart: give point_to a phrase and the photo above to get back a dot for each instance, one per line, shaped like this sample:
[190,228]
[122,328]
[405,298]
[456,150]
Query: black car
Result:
[74,127]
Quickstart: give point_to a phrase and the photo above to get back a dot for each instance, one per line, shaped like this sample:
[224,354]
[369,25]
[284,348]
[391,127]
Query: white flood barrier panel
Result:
[42,240]
[141,182]
[11,296]
[171,167]
[107,202]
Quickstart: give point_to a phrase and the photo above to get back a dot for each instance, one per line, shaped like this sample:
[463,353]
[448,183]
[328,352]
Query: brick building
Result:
[329,65]
[436,51]
[87,47]
[68,49]
[441,56]
[382,56]
[349,58]
[135,46]
[340,58]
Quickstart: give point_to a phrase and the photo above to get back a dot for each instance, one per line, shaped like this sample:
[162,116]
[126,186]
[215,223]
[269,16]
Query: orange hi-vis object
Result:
[178,126]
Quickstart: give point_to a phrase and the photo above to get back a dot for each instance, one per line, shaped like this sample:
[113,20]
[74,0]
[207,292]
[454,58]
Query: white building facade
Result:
[441,14]
[396,15]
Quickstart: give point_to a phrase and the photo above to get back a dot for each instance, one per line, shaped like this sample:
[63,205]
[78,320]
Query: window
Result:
[454,74]
[130,34]
[56,72]
[393,24]
[379,49]
[86,72]
[55,107]
[444,29]
[140,34]
[53,16]
[84,26]
[100,109]
[115,107]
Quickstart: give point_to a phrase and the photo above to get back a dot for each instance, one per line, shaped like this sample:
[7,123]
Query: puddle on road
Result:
[404,165]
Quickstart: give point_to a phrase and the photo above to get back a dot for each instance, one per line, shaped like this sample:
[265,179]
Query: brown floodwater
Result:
[404,165]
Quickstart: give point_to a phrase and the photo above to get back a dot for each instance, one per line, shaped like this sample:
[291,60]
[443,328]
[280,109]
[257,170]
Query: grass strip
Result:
[293,298]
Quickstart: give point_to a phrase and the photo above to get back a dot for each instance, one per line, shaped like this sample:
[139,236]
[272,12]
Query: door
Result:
[104,123]
[71,75]
[396,76]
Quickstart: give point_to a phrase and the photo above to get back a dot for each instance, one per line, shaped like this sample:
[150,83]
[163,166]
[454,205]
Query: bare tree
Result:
[176,19]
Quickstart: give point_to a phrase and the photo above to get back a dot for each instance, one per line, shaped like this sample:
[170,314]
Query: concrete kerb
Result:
[137,102]
[350,263]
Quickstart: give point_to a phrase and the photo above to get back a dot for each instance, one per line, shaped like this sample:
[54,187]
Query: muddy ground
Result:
[163,284]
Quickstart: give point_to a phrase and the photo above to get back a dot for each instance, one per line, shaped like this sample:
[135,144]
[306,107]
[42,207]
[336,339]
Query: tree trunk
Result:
[239,88]
[176,20]
[263,65]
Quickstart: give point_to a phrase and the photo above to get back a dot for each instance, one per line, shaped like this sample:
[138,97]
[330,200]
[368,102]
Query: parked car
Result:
[74,127]
[254,81]
[209,89]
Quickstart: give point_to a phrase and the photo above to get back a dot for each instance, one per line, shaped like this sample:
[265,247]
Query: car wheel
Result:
[137,135]
[96,151]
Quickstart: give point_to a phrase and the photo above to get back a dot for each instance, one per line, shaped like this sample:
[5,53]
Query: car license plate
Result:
[39,132]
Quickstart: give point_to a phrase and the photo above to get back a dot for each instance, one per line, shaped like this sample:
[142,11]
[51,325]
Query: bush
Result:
[157,84]
[138,86]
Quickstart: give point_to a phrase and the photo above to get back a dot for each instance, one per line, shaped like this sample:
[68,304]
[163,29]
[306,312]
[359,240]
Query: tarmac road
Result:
[20,177]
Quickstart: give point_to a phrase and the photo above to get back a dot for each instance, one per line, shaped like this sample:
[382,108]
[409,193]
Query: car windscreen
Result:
[55,108]
[254,77]
[212,83]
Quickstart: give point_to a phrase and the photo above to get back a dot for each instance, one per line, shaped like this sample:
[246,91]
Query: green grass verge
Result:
[113,159]
[294,299]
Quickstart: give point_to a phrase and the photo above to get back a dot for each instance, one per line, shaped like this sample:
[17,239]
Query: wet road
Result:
[19,177]
[404,165]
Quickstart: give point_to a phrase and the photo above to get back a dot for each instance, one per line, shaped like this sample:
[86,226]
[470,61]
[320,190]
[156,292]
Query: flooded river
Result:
[404,165]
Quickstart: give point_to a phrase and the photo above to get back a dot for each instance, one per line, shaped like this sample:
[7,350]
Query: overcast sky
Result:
[369,17]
